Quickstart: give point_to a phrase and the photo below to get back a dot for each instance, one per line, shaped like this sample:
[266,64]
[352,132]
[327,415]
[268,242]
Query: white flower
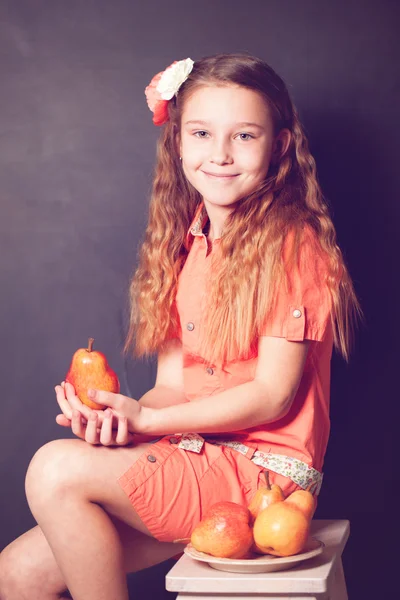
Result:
[173,77]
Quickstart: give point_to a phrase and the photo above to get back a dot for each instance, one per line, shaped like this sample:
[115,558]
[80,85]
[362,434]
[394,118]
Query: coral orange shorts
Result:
[171,488]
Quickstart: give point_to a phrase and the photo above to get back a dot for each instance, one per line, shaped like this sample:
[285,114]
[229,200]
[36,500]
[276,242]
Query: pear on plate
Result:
[225,531]
[304,501]
[281,529]
[264,496]
[89,369]
[226,507]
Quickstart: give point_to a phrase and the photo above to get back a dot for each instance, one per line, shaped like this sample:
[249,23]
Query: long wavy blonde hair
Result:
[288,201]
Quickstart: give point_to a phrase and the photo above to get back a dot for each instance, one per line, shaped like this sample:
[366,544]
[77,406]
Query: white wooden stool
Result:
[319,578]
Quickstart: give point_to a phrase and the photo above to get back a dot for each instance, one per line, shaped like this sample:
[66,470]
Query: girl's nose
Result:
[220,153]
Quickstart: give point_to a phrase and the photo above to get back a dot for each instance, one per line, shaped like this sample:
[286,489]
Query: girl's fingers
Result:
[75,402]
[77,425]
[106,437]
[63,421]
[122,437]
[88,424]
[92,435]
[63,402]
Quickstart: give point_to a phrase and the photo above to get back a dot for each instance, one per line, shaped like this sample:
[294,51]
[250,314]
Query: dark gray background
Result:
[76,158]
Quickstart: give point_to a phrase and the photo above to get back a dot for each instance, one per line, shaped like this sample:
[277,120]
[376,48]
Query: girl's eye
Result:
[245,136]
[200,134]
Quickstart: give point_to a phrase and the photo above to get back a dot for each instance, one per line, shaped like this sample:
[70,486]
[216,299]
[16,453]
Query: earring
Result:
[180,158]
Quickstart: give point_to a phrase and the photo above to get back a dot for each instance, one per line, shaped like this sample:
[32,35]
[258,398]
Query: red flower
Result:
[161,114]
[156,104]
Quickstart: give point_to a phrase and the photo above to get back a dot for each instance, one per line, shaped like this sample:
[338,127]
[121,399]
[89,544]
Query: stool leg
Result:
[339,590]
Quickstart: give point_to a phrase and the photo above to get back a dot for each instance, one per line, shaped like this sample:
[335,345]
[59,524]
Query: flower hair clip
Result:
[164,86]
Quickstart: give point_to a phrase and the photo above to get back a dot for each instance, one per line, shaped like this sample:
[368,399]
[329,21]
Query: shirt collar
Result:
[198,223]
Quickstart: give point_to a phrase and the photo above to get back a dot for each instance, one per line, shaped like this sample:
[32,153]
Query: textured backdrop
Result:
[77,150]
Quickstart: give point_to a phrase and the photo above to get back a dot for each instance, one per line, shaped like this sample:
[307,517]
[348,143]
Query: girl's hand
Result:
[94,426]
[67,401]
[121,406]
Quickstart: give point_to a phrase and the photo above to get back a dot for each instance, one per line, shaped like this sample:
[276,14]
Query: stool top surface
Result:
[189,575]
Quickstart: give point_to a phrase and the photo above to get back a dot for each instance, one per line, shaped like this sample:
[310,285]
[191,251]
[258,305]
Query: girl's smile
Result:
[220,176]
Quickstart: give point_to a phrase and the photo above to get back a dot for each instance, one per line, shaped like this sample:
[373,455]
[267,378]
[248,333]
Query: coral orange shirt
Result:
[304,313]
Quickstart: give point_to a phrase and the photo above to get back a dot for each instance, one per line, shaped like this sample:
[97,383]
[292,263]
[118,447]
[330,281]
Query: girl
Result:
[242,292]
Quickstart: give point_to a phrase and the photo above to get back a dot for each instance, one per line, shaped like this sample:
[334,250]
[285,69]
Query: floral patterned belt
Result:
[293,468]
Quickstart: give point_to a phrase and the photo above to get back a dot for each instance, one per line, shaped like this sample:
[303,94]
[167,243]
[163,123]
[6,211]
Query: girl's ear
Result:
[281,144]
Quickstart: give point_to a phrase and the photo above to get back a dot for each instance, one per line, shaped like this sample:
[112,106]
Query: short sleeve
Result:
[302,309]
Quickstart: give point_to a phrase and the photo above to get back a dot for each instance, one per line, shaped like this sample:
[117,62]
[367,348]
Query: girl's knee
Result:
[51,471]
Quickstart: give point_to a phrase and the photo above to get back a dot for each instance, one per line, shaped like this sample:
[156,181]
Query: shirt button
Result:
[173,440]
[209,370]
[297,313]
[190,326]
[151,458]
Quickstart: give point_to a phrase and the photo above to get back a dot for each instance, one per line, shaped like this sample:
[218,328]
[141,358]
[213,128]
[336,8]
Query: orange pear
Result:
[89,369]
[224,532]
[281,529]
[304,501]
[225,507]
[270,494]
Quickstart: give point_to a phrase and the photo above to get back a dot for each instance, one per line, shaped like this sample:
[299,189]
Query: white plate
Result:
[264,563]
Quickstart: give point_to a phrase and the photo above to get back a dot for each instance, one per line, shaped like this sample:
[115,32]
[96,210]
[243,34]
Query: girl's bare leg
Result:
[72,491]
[28,570]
